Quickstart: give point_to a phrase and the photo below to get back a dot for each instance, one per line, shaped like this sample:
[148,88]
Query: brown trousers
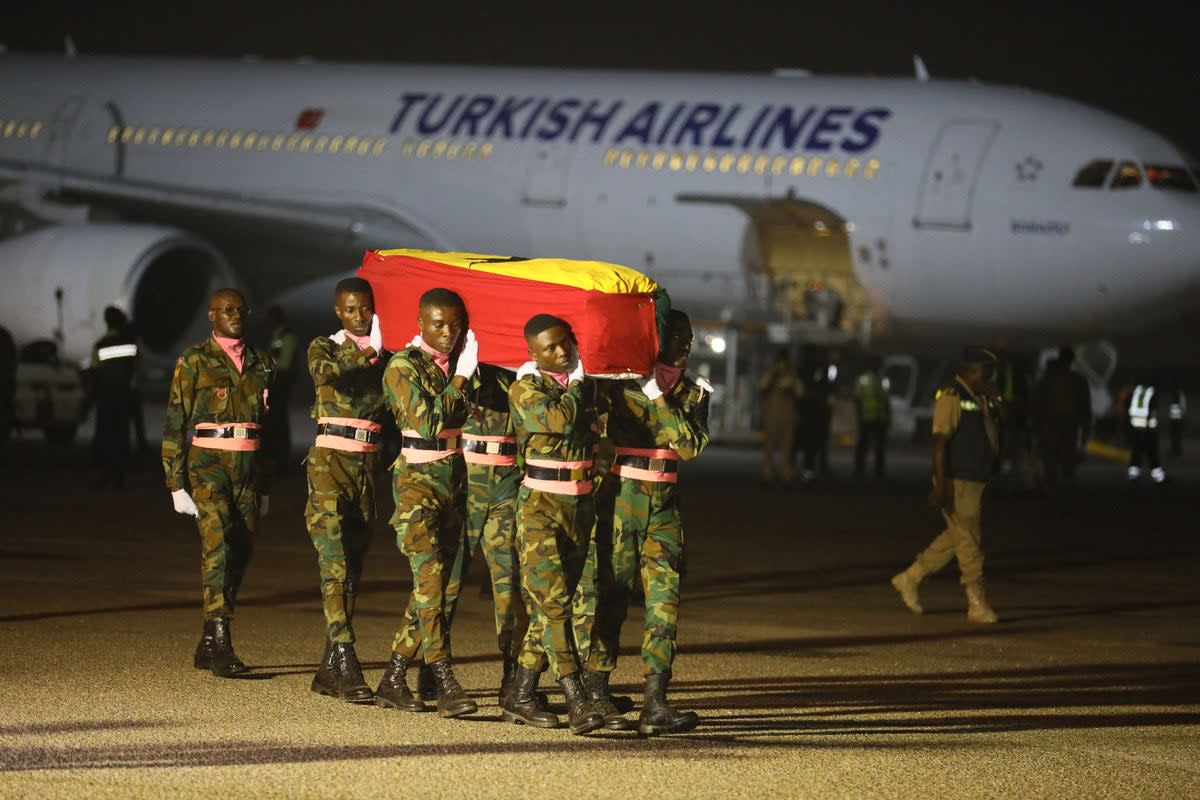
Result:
[962,538]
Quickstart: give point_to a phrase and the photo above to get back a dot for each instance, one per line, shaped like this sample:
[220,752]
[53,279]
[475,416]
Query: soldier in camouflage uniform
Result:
[424,388]
[347,373]
[653,423]
[555,409]
[493,478]
[219,389]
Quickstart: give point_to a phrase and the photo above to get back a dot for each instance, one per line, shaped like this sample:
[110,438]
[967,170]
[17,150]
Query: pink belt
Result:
[649,464]
[449,445]
[344,442]
[233,436]
[567,487]
[497,451]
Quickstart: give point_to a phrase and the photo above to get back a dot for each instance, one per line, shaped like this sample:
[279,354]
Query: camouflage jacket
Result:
[420,395]
[207,387]
[346,383]
[681,424]
[556,423]
[488,401]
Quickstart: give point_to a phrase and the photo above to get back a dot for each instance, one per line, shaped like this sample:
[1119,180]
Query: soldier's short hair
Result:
[544,322]
[675,316]
[353,285]
[441,298]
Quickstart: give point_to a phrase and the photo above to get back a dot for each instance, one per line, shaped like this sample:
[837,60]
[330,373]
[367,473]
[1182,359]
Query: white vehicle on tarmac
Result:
[49,393]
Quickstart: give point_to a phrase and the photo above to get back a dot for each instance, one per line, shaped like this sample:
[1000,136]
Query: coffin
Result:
[614,311]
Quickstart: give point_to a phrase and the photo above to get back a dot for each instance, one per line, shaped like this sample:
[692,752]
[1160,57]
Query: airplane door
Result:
[87,137]
[950,174]
[546,181]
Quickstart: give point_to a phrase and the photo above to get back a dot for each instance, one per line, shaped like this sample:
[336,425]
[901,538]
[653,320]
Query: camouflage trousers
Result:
[639,550]
[429,532]
[554,548]
[491,522]
[340,510]
[222,484]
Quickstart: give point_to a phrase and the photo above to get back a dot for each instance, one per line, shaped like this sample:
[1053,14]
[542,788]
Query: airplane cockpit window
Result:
[1170,177]
[1093,174]
[1128,176]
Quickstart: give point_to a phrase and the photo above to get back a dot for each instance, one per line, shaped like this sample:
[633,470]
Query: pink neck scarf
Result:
[666,376]
[561,377]
[441,359]
[363,343]
[234,348]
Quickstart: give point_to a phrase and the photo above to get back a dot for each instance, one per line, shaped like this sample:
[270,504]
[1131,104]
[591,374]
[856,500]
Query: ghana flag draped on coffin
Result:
[615,312]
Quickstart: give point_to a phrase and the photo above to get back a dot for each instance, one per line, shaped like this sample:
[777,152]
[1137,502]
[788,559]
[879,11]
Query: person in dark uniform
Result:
[966,440]
[8,381]
[1063,420]
[113,378]
[277,430]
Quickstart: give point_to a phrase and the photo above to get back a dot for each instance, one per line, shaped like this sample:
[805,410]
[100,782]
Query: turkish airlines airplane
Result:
[876,210]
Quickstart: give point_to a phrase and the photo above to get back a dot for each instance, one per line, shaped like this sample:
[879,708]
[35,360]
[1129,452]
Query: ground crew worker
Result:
[493,478]
[347,373]
[112,379]
[556,411]
[277,429]
[425,390]
[966,417]
[779,389]
[1063,408]
[219,389]
[1176,420]
[653,423]
[873,410]
[1142,412]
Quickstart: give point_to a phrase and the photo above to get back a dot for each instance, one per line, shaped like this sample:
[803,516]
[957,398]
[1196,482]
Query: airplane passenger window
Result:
[1093,174]
[1170,177]
[1127,176]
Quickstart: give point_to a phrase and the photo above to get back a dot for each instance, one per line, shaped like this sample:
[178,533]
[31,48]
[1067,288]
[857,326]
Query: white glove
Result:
[264,505]
[339,337]
[650,388]
[527,369]
[417,341]
[576,372]
[184,503]
[375,336]
[468,359]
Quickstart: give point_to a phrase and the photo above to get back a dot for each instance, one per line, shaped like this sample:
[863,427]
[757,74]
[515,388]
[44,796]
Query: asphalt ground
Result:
[811,678]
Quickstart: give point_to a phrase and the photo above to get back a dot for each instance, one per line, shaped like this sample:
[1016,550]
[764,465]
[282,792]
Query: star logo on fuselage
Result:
[1028,168]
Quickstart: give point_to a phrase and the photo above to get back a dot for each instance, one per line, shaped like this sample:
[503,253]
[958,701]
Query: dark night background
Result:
[1135,60]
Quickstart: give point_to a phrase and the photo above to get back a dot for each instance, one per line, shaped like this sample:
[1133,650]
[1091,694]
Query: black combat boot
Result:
[595,682]
[426,687]
[523,703]
[582,716]
[452,700]
[393,691]
[658,717]
[340,675]
[225,663]
[204,651]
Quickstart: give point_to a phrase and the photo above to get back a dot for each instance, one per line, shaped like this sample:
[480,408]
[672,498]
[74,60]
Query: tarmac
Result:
[811,679]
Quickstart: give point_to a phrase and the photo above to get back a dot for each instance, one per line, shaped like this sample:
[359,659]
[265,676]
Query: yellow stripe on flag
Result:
[597,276]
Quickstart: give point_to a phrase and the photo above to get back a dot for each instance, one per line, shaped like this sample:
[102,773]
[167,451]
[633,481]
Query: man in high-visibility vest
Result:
[874,413]
[1142,412]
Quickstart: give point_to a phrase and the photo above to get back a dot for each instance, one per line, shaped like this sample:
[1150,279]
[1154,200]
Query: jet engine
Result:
[62,277]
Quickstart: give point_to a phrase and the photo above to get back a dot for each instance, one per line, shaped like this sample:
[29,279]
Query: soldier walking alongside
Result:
[347,371]
[965,443]
[425,393]
[219,389]
[556,411]
[653,423]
